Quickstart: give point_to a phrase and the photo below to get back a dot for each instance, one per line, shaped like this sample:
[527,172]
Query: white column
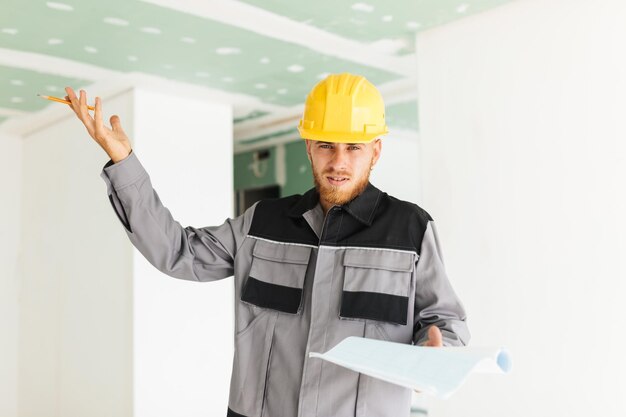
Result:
[101,332]
[183,331]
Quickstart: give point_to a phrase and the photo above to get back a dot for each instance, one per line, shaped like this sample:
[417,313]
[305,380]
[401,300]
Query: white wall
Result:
[10,215]
[522,113]
[75,302]
[183,333]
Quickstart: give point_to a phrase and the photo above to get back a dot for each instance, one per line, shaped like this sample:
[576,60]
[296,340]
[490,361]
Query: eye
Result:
[325,146]
[354,147]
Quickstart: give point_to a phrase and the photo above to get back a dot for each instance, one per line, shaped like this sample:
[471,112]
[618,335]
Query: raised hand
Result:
[113,140]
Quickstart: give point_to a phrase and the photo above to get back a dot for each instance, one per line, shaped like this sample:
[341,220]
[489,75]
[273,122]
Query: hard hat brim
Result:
[340,137]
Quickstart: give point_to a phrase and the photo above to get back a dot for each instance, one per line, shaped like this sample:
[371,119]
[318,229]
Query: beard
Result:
[339,195]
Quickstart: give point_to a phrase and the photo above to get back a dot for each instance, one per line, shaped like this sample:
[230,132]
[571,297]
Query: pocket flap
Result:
[380,259]
[276,277]
[281,252]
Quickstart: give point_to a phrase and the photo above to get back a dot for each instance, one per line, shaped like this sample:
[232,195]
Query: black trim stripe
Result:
[231,413]
[374,306]
[274,296]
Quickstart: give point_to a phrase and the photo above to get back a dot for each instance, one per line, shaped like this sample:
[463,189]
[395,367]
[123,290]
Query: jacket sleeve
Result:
[435,300]
[197,254]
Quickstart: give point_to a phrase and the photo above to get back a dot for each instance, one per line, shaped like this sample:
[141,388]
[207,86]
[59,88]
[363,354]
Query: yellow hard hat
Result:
[343,108]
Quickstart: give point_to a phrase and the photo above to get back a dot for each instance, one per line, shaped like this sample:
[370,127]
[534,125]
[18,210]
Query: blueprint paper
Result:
[436,371]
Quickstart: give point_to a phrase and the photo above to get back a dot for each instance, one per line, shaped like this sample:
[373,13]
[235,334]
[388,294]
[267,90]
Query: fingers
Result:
[84,111]
[97,117]
[71,96]
[79,105]
[115,123]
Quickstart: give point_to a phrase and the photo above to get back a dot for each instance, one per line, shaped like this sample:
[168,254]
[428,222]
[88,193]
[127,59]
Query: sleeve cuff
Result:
[123,173]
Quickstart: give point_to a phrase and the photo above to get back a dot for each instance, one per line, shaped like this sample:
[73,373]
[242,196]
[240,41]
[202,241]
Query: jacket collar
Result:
[362,207]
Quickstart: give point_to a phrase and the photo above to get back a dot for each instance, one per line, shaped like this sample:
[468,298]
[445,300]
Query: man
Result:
[344,259]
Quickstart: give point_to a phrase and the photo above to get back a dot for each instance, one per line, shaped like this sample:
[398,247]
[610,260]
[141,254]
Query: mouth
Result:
[337,181]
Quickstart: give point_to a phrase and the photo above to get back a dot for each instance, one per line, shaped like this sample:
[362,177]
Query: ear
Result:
[308,148]
[377,147]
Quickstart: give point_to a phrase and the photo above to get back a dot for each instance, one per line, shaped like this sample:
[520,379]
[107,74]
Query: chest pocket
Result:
[276,276]
[376,285]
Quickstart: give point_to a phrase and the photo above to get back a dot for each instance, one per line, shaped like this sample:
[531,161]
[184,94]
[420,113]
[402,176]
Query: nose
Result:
[339,161]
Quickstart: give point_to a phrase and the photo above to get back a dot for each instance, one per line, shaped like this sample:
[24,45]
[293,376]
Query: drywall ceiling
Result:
[273,51]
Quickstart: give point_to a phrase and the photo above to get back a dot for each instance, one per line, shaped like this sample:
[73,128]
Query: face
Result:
[341,170]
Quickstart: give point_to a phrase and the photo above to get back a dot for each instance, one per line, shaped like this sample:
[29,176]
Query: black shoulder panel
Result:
[396,224]
[272,220]
[400,224]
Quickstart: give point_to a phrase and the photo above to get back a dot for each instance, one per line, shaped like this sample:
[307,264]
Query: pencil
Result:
[60,100]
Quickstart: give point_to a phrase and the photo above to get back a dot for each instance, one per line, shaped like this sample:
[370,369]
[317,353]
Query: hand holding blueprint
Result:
[438,371]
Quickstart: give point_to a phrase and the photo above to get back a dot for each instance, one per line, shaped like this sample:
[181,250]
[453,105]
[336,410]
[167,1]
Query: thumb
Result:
[115,124]
[434,337]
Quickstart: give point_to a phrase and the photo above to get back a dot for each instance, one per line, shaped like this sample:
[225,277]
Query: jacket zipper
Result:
[325,226]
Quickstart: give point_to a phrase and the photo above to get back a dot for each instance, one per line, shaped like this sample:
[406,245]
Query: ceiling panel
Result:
[377,20]
[136,36]
[20,88]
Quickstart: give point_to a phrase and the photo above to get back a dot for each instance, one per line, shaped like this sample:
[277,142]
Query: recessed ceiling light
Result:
[264,60]
[17,100]
[413,25]
[260,86]
[363,7]
[9,31]
[281,91]
[295,68]
[387,18]
[225,50]
[59,6]
[115,21]
[462,8]
[55,41]
[228,79]
[187,39]
[52,88]
[132,58]
[16,82]
[91,49]
[323,75]
[202,74]
[152,31]
[168,66]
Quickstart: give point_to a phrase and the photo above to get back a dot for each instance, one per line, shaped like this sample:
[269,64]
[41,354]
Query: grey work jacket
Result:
[303,283]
